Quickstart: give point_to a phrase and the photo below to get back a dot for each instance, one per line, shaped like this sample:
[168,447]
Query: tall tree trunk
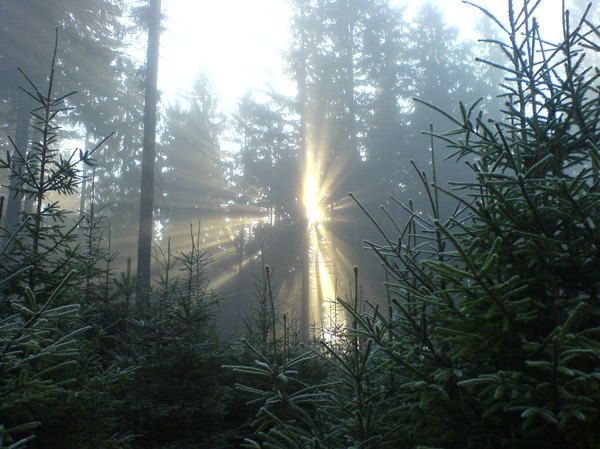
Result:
[241,248]
[15,197]
[305,312]
[84,172]
[349,81]
[142,298]
[302,85]
[353,160]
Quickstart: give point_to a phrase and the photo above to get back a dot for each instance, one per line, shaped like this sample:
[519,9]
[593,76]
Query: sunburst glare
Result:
[321,254]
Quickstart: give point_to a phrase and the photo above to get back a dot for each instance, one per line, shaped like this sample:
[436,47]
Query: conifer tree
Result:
[92,32]
[489,337]
[48,369]
[494,324]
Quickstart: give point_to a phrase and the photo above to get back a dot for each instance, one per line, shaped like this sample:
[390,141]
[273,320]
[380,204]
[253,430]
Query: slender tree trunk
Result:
[14,197]
[353,160]
[305,312]
[142,298]
[84,172]
[240,276]
[349,82]
[302,84]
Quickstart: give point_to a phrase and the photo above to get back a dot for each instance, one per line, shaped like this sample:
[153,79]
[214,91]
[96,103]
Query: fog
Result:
[294,224]
[264,179]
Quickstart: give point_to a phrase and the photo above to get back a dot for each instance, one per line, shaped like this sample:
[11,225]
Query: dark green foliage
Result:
[76,370]
[178,397]
[490,334]
[50,364]
[276,376]
[496,311]
[490,337]
[39,175]
[179,394]
[288,415]
[38,346]
[333,394]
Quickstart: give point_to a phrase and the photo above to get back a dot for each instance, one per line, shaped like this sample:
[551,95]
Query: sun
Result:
[314,215]
[321,254]
[312,202]
[312,195]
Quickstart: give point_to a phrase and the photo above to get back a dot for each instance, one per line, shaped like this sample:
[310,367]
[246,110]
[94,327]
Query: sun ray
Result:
[322,252]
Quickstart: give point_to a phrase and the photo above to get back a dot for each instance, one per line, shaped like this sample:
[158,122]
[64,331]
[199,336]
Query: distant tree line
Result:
[484,333]
[356,64]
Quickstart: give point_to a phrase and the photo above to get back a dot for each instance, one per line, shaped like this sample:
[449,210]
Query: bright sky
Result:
[240,44]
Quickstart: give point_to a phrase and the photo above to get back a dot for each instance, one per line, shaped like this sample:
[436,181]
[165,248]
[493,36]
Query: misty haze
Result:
[299,224]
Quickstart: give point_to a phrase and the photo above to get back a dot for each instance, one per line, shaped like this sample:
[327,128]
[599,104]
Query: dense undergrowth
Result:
[489,336]
[79,366]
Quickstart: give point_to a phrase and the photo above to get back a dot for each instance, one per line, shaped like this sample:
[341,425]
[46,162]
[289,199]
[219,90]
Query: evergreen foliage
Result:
[179,394]
[50,367]
[38,343]
[352,126]
[192,175]
[39,175]
[491,334]
[77,369]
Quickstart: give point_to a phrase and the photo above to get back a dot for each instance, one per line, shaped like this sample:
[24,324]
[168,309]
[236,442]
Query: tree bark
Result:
[15,197]
[301,76]
[83,190]
[142,298]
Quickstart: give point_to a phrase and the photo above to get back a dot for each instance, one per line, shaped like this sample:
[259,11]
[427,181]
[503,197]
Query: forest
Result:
[402,253]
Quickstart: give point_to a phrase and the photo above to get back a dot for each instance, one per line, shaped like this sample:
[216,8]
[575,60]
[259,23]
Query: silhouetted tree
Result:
[145,236]
[193,182]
